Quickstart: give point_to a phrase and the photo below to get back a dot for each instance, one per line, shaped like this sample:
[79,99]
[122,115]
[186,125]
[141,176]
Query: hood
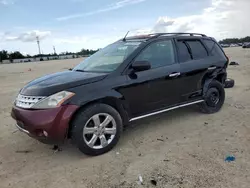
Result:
[53,83]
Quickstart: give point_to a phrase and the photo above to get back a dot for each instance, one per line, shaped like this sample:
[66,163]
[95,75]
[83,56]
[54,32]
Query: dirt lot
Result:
[182,148]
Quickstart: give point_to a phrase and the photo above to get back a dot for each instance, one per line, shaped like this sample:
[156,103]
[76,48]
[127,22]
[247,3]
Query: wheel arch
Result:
[219,75]
[117,103]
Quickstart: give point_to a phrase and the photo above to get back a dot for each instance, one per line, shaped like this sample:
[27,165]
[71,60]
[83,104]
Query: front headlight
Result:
[53,101]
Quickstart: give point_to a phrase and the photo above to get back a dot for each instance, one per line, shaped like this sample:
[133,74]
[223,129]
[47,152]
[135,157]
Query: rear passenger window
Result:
[197,49]
[213,48]
[183,52]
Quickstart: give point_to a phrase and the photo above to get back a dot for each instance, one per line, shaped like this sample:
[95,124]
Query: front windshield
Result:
[108,58]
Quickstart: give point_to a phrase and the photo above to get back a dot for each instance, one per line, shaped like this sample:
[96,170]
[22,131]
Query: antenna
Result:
[124,39]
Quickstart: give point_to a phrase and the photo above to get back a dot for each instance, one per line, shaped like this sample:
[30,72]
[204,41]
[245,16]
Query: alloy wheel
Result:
[99,131]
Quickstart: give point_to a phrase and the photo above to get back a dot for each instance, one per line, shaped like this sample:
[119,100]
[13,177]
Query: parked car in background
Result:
[234,45]
[246,45]
[131,79]
[225,45]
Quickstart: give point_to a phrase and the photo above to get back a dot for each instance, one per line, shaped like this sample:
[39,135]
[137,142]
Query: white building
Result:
[45,58]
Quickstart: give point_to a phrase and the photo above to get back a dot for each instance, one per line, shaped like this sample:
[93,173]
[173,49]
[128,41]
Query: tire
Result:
[229,83]
[214,98]
[87,120]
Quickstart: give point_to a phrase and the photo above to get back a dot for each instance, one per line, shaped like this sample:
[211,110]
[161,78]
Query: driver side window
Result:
[158,54]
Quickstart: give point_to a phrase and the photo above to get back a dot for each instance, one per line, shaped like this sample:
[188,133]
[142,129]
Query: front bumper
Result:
[54,122]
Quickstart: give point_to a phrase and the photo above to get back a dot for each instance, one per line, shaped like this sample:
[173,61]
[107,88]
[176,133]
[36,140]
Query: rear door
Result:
[194,63]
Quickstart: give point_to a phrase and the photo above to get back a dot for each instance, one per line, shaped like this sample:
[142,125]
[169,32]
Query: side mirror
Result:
[138,66]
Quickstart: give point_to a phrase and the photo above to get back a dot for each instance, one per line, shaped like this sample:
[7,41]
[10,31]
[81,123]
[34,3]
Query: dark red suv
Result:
[133,78]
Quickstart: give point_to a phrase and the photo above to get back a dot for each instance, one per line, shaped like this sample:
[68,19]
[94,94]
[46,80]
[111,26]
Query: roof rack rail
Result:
[156,35]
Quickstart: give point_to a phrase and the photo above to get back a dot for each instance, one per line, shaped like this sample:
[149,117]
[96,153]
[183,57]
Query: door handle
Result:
[175,74]
[211,68]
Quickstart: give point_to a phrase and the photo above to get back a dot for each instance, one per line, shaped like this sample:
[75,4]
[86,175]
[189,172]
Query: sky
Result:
[71,25]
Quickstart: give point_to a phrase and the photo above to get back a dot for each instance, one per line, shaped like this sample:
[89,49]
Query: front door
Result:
[157,87]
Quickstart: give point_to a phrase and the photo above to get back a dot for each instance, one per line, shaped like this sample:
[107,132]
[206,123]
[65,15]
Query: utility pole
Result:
[38,44]
[54,49]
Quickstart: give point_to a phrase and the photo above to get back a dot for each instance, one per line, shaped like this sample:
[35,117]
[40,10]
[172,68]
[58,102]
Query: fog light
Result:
[45,133]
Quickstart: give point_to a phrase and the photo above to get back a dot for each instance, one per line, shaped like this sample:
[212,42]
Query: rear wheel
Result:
[214,98]
[97,129]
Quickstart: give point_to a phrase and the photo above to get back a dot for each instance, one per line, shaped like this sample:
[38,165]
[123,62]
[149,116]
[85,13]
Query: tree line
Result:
[4,54]
[235,40]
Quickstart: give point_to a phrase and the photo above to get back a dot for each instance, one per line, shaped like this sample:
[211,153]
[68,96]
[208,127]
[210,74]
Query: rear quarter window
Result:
[213,48]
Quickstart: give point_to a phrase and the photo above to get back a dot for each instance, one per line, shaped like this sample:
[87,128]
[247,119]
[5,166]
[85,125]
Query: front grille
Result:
[23,101]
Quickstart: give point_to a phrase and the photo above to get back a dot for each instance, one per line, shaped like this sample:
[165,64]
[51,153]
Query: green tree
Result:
[86,52]
[3,55]
[235,40]
[16,55]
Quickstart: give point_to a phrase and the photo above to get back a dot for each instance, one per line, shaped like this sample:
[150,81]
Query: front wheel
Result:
[214,98]
[97,129]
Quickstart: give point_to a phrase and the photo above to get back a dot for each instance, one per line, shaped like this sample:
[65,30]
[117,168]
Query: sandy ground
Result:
[179,149]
